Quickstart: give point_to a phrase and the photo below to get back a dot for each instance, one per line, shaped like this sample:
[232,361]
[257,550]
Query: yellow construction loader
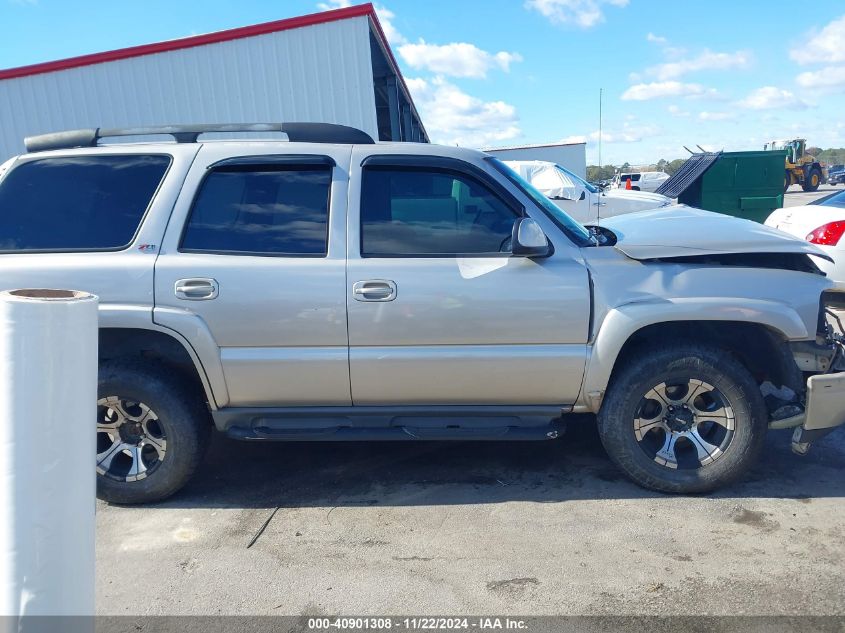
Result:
[801,168]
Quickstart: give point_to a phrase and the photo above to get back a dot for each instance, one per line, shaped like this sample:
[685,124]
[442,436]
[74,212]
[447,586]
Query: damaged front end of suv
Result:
[824,398]
[689,275]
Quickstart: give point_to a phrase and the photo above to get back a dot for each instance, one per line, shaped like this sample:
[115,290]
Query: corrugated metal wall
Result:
[314,73]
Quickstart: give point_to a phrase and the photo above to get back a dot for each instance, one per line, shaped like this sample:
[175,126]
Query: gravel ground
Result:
[469,528]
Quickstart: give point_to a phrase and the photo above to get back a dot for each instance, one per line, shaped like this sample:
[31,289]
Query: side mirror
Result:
[528,239]
[583,195]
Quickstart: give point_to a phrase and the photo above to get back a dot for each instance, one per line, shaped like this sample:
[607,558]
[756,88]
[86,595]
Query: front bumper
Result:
[825,407]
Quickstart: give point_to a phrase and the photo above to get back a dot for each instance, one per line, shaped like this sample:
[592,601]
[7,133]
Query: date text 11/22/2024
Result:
[416,624]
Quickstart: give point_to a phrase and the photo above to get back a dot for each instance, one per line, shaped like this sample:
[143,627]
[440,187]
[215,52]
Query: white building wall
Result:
[573,157]
[313,73]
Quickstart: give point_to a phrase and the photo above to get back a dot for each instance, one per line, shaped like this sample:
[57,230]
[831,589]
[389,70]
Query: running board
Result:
[393,423]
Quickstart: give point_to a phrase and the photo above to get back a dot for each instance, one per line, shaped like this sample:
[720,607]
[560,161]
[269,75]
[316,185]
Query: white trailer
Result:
[572,156]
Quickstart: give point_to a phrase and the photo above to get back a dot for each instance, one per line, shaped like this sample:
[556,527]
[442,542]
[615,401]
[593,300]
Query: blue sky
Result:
[721,74]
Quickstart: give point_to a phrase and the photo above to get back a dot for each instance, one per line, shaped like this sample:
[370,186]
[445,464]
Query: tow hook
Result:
[799,448]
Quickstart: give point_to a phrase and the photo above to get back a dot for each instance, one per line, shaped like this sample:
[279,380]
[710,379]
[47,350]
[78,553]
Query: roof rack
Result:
[296,132]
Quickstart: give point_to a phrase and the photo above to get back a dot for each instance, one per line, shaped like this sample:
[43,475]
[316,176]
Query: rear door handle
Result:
[197,289]
[374,290]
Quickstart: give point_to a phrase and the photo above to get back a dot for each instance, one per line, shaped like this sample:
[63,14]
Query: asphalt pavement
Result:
[476,528]
[796,197]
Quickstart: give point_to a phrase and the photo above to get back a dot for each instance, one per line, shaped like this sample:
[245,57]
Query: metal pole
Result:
[600,96]
[598,206]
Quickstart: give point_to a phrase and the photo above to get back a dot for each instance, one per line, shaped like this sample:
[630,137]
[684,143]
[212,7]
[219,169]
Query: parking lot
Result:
[457,528]
[795,197]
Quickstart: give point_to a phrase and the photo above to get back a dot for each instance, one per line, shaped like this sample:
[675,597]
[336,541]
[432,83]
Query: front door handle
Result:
[374,290]
[197,289]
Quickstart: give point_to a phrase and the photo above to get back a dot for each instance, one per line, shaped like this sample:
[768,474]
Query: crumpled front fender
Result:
[624,321]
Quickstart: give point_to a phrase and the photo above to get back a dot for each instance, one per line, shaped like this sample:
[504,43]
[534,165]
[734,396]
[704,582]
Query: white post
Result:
[48,395]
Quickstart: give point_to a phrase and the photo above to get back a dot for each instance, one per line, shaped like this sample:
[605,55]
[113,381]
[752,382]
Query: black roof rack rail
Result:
[296,132]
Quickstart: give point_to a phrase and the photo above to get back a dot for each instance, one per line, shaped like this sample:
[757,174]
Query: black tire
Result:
[812,180]
[675,363]
[787,181]
[182,420]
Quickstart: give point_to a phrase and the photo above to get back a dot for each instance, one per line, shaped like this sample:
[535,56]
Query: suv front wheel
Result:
[684,419]
[152,432]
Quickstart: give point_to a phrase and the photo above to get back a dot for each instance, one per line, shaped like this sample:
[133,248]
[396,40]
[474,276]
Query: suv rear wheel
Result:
[152,432]
[684,419]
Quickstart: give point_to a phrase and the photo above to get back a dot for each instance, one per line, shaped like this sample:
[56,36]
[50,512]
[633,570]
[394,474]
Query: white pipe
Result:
[48,395]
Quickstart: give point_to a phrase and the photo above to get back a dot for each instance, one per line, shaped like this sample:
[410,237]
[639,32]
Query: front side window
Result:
[431,212]
[77,203]
[573,230]
[261,210]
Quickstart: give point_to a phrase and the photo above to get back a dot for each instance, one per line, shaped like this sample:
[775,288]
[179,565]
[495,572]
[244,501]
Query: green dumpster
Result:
[743,184]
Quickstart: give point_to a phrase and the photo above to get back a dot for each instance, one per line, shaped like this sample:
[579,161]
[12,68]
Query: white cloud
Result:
[453,117]
[334,4]
[716,116]
[676,111]
[828,79]
[628,133]
[771,98]
[458,59]
[707,60]
[651,37]
[825,46]
[658,90]
[578,138]
[582,13]
[385,18]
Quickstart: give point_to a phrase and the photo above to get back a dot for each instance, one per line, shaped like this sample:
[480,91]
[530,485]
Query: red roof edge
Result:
[196,40]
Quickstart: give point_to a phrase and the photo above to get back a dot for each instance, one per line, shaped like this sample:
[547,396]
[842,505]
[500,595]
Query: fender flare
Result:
[189,331]
[622,322]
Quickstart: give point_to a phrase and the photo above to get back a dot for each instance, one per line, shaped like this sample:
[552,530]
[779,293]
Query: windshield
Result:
[577,179]
[833,200]
[573,230]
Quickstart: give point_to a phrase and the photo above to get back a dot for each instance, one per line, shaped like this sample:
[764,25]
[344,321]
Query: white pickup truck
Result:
[581,200]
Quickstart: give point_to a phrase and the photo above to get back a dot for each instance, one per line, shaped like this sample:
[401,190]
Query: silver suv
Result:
[326,287]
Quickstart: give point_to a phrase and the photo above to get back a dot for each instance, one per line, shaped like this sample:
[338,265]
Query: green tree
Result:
[674,165]
[600,172]
[832,156]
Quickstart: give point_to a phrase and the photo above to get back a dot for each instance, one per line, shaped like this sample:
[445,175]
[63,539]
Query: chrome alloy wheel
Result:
[131,442]
[684,424]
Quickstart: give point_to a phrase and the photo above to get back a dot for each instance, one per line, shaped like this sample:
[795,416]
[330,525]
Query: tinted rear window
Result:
[261,210]
[77,203]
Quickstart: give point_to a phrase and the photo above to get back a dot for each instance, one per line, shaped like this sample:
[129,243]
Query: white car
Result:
[641,181]
[580,199]
[822,222]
